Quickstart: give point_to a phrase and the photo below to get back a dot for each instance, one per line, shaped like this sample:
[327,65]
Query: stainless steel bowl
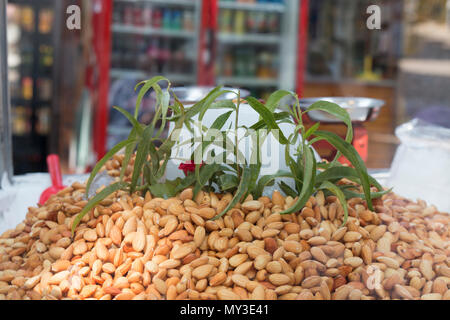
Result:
[360,109]
[193,94]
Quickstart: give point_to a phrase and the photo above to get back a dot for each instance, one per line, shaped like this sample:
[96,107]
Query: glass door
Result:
[257,44]
[31,47]
[150,38]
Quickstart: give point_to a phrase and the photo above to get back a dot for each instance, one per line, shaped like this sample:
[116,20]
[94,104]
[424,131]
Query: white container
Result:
[421,166]
[272,152]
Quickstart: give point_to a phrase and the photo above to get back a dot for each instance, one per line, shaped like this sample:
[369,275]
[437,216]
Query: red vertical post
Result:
[101,21]
[207,43]
[302,44]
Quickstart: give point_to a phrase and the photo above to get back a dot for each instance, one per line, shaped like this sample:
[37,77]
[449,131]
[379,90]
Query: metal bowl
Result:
[193,94]
[360,109]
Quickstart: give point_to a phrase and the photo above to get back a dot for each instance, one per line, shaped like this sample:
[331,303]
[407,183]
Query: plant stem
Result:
[236,135]
[302,129]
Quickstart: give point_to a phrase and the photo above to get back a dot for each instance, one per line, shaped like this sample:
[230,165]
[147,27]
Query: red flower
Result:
[188,167]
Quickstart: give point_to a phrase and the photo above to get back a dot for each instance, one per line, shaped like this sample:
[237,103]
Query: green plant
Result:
[236,175]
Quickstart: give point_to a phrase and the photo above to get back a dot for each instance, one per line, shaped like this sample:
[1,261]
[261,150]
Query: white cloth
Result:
[24,192]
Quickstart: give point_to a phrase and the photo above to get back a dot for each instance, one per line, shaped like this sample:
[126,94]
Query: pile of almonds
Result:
[140,247]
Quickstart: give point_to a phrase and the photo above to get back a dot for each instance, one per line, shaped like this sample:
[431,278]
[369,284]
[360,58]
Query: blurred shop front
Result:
[64,82]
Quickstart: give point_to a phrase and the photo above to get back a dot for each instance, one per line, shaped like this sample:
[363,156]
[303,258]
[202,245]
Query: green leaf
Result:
[228,181]
[281,117]
[162,167]
[217,125]
[147,174]
[209,101]
[205,173]
[308,183]
[165,190]
[196,108]
[274,99]
[352,155]
[295,167]
[141,157]
[338,112]
[102,162]
[152,83]
[339,194]
[241,190]
[165,150]
[311,130]
[255,168]
[136,125]
[96,200]
[340,172]
[221,120]
[223,104]
[128,153]
[287,190]
[267,180]
[325,165]
[164,109]
[374,195]
[188,181]
[254,175]
[155,161]
[268,117]
[166,147]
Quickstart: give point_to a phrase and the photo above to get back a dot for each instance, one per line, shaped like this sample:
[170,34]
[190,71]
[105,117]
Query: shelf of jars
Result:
[255,6]
[149,31]
[231,38]
[181,3]
[174,77]
[248,81]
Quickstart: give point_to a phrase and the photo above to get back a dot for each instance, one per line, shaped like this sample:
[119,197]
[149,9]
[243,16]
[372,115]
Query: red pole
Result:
[302,44]
[102,17]
[207,43]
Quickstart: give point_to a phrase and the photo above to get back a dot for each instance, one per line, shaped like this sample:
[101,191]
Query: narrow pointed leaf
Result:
[374,195]
[241,190]
[312,130]
[340,172]
[164,109]
[147,85]
[228,181]
[308,183]
[136,125]
[288,191]
[338,112]
[275,98]
[339,194]
[267,180]
[209,101]
[196,108]
[268,117]
[102,162]
[128,153]
[141,157]
[96,200]
[352,155]
[204,174]
[280,117]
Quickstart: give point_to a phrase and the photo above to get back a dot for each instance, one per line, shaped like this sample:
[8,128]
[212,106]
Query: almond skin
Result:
[203,271]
